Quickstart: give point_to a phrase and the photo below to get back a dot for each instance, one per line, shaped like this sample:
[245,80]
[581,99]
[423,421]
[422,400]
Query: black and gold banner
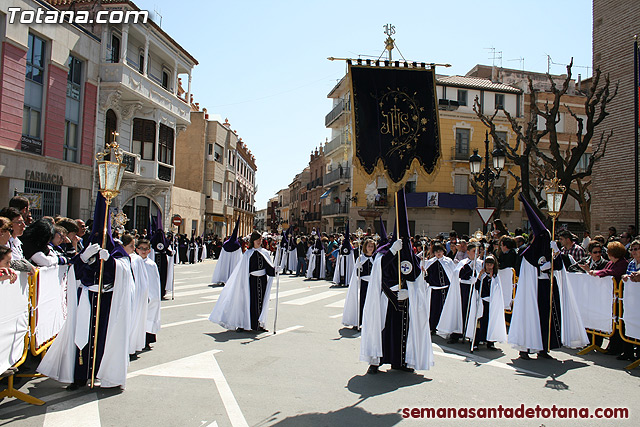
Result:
[395,118]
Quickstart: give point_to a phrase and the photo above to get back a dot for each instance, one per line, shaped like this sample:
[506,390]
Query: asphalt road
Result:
[308,374]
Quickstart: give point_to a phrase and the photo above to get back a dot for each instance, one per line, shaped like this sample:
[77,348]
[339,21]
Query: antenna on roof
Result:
[495,56]
[157,14]
[521,60]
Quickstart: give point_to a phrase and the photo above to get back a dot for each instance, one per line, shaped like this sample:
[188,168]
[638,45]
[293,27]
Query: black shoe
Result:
[239,330]
[544,355]
[261,329]
[373,369]
[524,355]
[490,346]
[624,356]
[132,357]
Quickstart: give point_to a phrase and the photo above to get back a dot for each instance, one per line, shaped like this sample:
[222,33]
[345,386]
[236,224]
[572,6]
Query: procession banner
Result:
[14,320]
[395,118]
[594,296]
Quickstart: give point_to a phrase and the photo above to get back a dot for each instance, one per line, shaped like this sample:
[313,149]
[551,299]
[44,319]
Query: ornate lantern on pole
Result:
[554,192]
[110,176]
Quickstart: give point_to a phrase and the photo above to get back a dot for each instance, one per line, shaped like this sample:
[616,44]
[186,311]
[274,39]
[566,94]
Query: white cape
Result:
[524,329]
[152,320]
[139,305]
[203,256]
[419,353]
[58,363]
[227,262]
[345,264]
[312,265]
[451,319]
[351,309]
[293,260]
[497,328]
[232,308]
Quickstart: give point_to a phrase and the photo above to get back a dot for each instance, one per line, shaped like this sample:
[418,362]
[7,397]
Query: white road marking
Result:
[187,304]
[203,366]
[288,293]
[461,355]
[313,298]
[337,304]
[186,322]
[197,285]
[198,292]
[335,316]
[81,411]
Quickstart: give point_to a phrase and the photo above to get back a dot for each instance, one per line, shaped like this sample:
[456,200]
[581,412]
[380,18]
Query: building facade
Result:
[48,96]
[315,190]
[215,178]
[613,204]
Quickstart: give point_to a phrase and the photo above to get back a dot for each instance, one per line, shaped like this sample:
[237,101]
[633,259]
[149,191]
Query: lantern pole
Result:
[108,194]
[554,190]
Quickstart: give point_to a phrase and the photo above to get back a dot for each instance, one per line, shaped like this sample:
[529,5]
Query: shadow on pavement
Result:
[347,333]
[384,382]
[350,416]
[231,335]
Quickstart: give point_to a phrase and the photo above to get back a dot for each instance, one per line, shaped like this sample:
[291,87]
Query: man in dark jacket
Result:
[301,249]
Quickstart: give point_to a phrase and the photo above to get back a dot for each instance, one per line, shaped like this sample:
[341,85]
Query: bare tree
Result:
[498,196]
[538,163]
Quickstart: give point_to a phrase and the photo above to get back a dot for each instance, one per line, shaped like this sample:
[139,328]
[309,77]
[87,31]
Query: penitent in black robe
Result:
[437,277]
[259,269]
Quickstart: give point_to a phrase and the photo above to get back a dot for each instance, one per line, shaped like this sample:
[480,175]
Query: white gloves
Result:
[546,266]
[90,251]
[554,246]
[104,254]
[403,294]
[278,270]
[397,245]
[358,262]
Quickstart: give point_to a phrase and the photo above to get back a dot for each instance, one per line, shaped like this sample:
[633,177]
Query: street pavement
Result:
[308,374]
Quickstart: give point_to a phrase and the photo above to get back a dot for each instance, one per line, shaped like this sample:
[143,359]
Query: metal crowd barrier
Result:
[621,321]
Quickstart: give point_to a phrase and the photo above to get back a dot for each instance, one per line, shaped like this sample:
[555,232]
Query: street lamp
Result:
[110,174]
[487,174]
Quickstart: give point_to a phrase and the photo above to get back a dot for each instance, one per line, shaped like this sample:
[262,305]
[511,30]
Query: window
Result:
[115,48]
[32,109]
[144,138]
[72,110]
[216,191]
[583,163]
[141,62]
[218,150]
[462,97]
[165,79]
[461,184]
[503,138]
[410,187]
[462,144]
[499,101]
[165,144]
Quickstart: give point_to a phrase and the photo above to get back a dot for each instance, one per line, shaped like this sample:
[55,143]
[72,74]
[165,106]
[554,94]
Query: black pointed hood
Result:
[284,242]
[232,244]
[346,248]
[98,224]
[540,247]
[383,234]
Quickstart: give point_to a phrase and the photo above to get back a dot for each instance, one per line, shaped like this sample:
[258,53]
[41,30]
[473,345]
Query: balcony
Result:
[150,169]
[334,144]
[335,209]
[114,76]
[337,176]
[341,108]
[315,183]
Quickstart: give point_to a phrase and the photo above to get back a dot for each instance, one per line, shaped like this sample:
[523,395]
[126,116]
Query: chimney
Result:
[579,84]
